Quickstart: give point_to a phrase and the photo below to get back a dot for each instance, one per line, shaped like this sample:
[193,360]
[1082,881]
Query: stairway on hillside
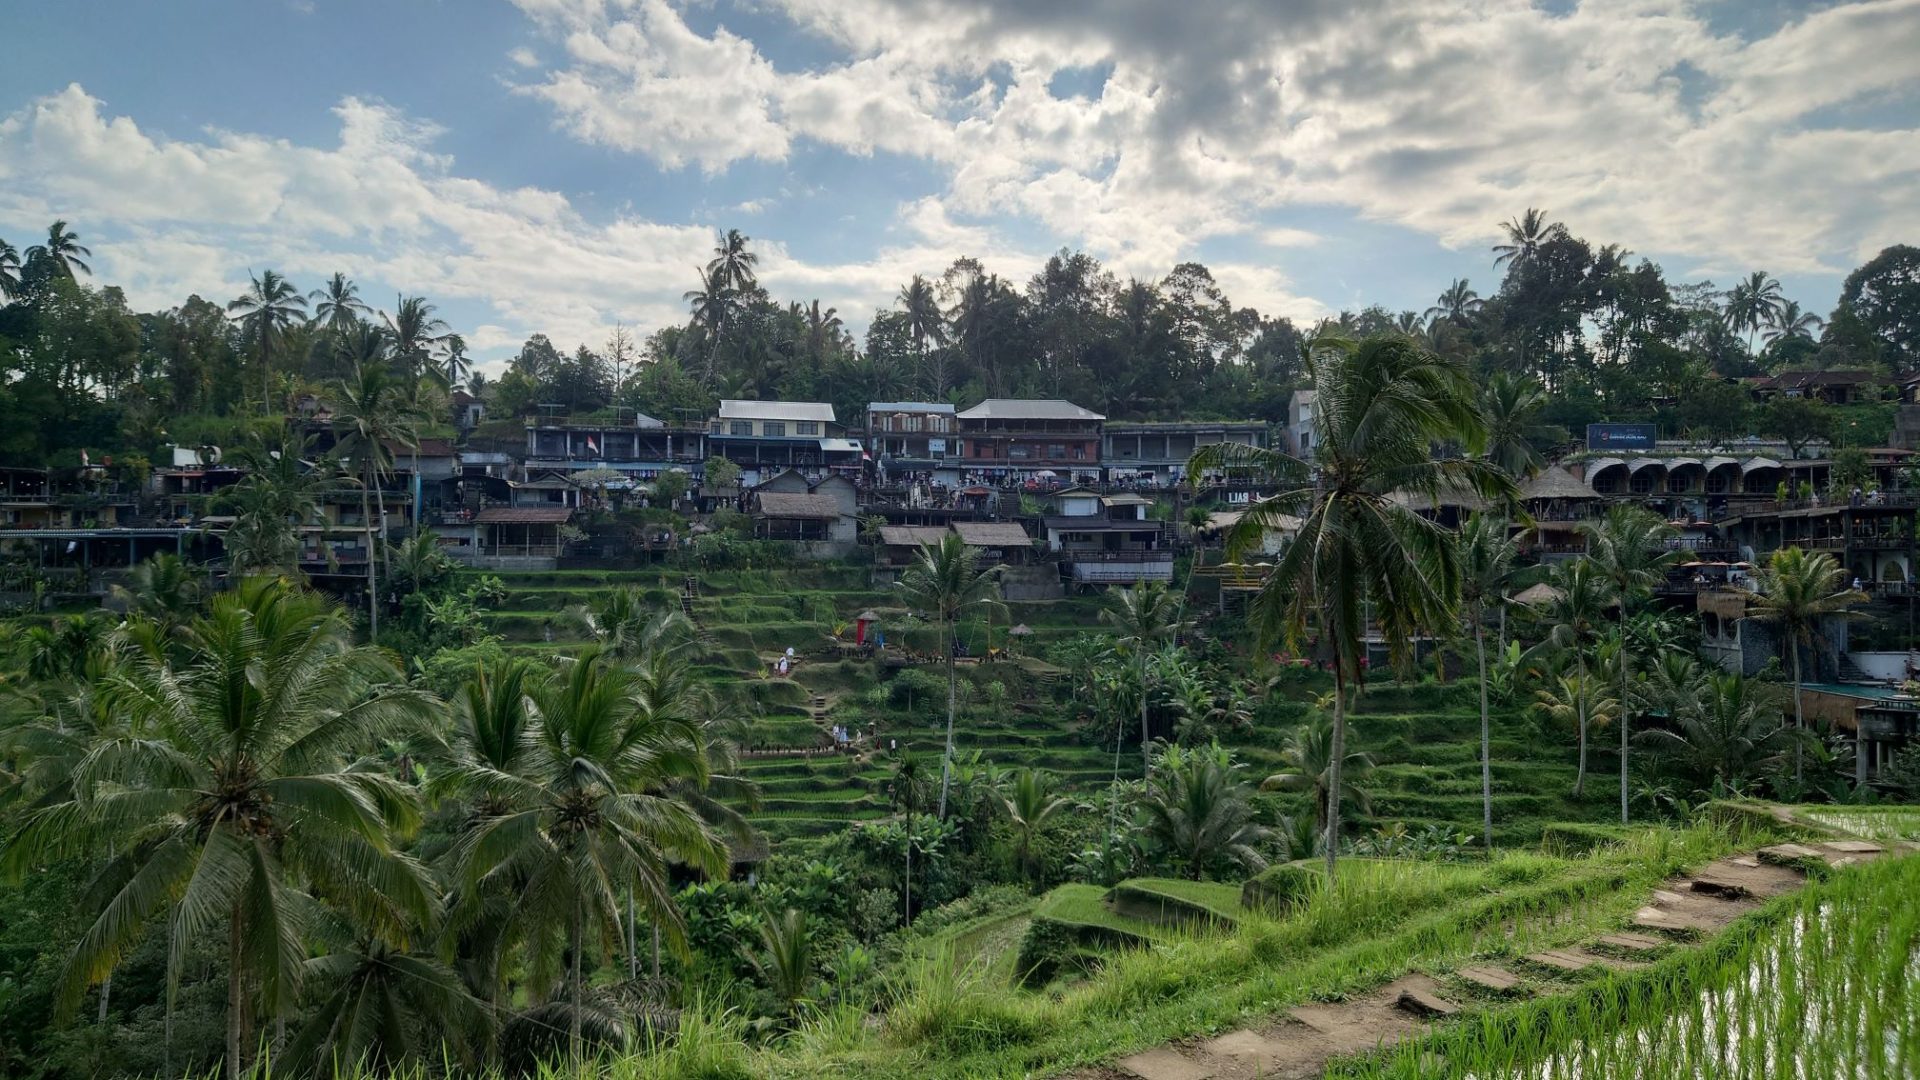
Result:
[689,592]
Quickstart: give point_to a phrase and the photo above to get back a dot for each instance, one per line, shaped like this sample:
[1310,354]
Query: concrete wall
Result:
[1041,582]
[1891,666]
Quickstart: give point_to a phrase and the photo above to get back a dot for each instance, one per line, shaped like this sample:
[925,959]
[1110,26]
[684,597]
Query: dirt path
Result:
[1299,1043]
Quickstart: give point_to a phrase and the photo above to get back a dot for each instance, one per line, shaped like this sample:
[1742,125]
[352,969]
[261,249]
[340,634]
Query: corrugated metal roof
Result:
[1000,534]
[523,515]
[1028,409]
[792,504]
[910,406]
[848,446]
[735,409]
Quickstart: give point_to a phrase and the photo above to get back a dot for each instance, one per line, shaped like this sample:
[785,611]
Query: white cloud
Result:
[524,57]
[1633,120]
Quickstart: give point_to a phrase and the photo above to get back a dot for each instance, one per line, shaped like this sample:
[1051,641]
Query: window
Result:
[741,428]
[806,427]
[773,429]
[1057,452]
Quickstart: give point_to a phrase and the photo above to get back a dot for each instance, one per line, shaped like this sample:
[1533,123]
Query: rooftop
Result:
[910,406]
[998,534]
[523,515]
[1028,409]
[792,504]
[735,409]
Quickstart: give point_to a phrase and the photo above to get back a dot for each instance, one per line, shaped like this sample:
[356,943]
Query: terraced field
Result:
[1424,739]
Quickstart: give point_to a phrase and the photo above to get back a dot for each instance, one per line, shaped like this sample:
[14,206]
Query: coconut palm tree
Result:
[1030,804]
[1526,235]
[9,271]
[1512,404]
[1307,765]
[379,1004]
[1752,304]
[712,303]
[279,492]
[1488,555]
[1199,812]
[1725,734]
[337,304]
[1458,304]
[1789,323]
[784,962]
[1380,407]
[732,264]
[562,783]
[1140,617]
[163,589]
[64,250]
[369,418]
[1576,699]
[944,584]
[415,332]
[823,329]
[231,804]
[1800,593]
[458,367]
[1576,618]
[1631,549]
[624,625]
[922,309]
[267,310]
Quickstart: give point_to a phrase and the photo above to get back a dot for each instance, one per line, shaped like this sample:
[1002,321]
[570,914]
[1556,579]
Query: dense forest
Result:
[1607,335]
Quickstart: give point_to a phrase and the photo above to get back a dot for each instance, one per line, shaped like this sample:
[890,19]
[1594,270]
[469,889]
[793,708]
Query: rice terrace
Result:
[910,540]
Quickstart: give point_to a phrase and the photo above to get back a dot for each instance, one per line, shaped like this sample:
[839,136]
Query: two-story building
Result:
[1011,441]
[913,441]
[1301,417]
[1154,454]
[765,438]
[1108,539]
[639,446]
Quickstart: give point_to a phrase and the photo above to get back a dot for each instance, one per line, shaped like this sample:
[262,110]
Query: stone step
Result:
[1494,979]
[1164,1064]
[1635,943]
[1421,1003]
[1563,960]
[1652,918]
[1785,854]
[1726,890]
[1667,898]
[1854,847]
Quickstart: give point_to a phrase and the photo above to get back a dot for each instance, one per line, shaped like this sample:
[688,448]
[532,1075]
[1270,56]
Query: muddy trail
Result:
[1300,1042]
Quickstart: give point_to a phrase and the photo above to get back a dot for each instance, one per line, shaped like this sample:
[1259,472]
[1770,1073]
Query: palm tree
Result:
[732,264]
[265,311]
[368,419]
[922,309]
[415,332]
[1198,812]
[1631,549]
[1725,733]
[1487,557]
[1030,804]
[1526,235]
[458,366]
[1753,303]
[1789,323]
[381,1004]
[279,493]
[1141,616]
[944,584]
[1511,403]
[63,249]
[230,802]
[1800,593]
[1576,616]
[1576,699]
[1458,304]
[823,328]
[163,589]
[712,305]
[562,779]
[337,304]
[9,271]
[1381,405]
[1306,761]
[784,961]
[626,626]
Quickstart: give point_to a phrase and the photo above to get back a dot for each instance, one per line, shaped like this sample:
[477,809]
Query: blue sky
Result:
[559,165]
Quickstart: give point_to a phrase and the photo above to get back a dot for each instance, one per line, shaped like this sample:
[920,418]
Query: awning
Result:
[1759,463]
[1713,463]
[1595,466]
[1675,463]
[847,446]
[1637,464]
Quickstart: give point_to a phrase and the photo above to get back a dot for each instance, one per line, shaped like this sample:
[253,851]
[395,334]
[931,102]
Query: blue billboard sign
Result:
[1621,436]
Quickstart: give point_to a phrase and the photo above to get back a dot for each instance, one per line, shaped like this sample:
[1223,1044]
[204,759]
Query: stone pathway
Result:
[1298,1044]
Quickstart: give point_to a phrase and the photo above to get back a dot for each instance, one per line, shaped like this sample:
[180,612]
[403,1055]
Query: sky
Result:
[559,166]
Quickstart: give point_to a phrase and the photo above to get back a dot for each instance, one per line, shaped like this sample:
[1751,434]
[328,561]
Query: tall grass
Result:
[1820,984]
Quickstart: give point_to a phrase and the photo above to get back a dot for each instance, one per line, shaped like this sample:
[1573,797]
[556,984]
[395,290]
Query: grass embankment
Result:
[1820,983]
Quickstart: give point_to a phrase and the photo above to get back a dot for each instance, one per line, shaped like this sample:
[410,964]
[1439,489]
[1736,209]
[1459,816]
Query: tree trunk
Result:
[656,953]
[1113,799]
[374,540]
[946,762]
[906,882]
[1486,738]
[633,940]
[1146,759]
[1333,767]
[1626,710]
[1800,719]
[573,1022]
[236,1019]
[373,582]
